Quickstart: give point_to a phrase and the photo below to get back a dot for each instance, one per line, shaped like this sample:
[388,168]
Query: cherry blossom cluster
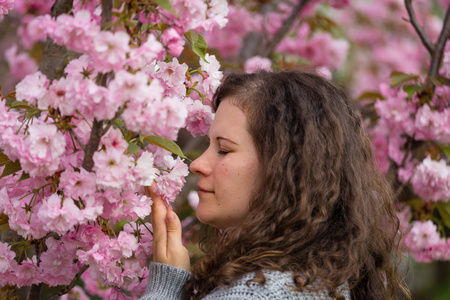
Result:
[411,140]
[132,84]
[304,44]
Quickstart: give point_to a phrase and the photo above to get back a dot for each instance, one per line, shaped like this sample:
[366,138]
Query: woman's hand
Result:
[167,245]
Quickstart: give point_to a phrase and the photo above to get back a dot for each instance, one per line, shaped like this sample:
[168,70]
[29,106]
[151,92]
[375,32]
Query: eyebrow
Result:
[224,138]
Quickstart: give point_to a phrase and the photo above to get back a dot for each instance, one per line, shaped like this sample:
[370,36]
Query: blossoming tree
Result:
[105,87]
[83,134]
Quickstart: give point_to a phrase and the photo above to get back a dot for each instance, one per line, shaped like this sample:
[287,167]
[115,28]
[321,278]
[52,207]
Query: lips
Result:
[203,190]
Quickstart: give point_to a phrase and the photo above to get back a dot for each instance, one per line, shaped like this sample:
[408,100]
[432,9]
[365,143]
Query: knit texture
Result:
[166,282]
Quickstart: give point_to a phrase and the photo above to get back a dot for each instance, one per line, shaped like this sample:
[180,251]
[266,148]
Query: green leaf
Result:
[133,148]
[446,151]
[400,77]
[4,159]
[370,95]
[412,88]
[119,122]
[21,104]
[444,80]
[165,143]
[11,168]
[444,211]
[24,176]
[198,44]
[166,5]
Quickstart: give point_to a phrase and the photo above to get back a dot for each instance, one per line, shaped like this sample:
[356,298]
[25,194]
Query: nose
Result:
[201,166]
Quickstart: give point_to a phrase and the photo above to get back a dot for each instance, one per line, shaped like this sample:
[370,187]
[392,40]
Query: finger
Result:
[174,231]
[158,218]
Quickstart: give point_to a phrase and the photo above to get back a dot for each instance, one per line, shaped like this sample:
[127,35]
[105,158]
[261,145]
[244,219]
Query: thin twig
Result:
[74,135]
[67,288]
[415,23]
[284,29]
[436,59]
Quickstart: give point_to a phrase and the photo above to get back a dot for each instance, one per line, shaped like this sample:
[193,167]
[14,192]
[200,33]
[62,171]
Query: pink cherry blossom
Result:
[422,235]
[81,67]
[56,97]
[199,118]
[217,15]
[7,261]
[20,64]
[210,70]
[42,150]
[173,41]
[113,139]
[5,6]
[429,124]
[32,88]
[77,184]
[431,180]
[257,63]
[76,292]
[395,110]
[35,6]
[170,184]
[77,32]
[110,50]
[172,73]
[129,87]
[193,199]
[112,168]
[143,171]
[189,13]
[59,215]
[145,54]
[27,272]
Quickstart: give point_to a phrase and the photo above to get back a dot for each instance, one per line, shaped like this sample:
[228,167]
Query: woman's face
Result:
[228,169]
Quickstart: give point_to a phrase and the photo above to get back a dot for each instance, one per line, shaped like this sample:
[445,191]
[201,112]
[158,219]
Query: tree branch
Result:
[415,23]
[267,51]
[97,126]
[75,136]
[55,57]
[436,58]
[67,288]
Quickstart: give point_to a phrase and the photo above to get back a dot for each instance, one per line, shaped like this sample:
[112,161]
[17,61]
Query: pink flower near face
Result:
[199,118]
[170,184]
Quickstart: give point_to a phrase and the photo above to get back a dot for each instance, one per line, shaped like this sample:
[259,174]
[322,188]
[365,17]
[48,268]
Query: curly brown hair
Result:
[322,209]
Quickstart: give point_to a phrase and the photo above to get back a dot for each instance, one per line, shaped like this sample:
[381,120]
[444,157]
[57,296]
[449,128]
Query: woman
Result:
[299,208]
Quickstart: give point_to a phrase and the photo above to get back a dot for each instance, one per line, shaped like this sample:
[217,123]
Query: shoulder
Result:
[278,286]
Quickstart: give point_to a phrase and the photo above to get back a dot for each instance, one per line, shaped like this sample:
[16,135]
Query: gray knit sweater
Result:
[166,283]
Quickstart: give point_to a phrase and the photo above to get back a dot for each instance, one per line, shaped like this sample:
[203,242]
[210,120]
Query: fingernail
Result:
[170,216]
